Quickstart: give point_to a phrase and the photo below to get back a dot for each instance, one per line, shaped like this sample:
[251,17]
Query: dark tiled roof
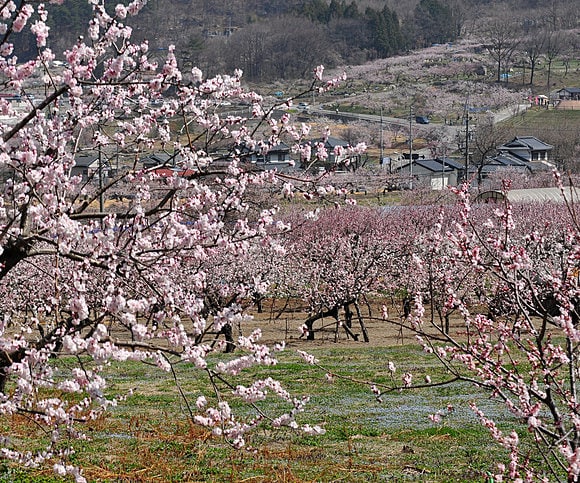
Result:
[507,159]
[437,165]
[571,90]
[333,142]
[530,142]
[282,147]
[160,159]
[451,162]
[86,160]
[433,165]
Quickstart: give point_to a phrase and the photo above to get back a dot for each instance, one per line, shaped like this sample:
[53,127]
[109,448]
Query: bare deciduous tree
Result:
[501,41]
[533,47]
[553,47]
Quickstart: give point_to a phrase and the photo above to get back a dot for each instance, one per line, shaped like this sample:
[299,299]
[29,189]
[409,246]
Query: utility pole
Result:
[466,117]
[411,145]
[382,151]
[101,200]
[466,145]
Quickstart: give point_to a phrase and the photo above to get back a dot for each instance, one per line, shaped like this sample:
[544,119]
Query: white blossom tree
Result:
[137,279]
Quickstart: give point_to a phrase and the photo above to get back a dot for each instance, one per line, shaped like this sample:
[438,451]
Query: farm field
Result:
[545,119]
[232,274]
[149,437]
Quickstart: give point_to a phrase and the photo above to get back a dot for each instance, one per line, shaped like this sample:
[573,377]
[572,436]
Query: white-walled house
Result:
[88,165]
[438,173]
[527,148]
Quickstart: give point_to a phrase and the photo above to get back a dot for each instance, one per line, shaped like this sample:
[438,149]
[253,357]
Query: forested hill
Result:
[282,39]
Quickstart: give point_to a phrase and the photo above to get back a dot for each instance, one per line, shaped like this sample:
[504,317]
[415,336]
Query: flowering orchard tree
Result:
[147,278]
[338,258]
[494,293]
[512,274]
[343,258]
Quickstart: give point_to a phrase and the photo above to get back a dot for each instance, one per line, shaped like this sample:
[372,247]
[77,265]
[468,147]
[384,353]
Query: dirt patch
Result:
[285,325]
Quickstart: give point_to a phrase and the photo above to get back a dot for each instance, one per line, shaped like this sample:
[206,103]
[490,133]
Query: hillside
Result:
[285,39]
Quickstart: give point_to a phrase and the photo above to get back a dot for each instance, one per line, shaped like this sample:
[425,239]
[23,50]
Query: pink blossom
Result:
[120,11]
[436,418]
[22,18]
[318,72]
[40,29]
[309,358]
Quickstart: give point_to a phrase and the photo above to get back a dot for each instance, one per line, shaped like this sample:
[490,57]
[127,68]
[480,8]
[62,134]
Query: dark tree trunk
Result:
[348,315]
[13,253]
[406,307]
[258,300]
[362,323]
[333,312]
[6,360]
[228,334]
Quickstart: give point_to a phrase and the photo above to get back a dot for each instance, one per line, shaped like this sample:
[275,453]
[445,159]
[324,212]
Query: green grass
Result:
[557,127]
[541,117]
[149,437]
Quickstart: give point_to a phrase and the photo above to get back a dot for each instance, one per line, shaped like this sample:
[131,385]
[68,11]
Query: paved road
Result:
[317,111]
[498,116]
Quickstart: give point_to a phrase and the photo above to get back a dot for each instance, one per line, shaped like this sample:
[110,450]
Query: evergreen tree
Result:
[386,38]
[433,23]
[315,10]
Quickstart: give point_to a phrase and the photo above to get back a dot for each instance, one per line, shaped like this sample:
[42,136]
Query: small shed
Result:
[88,165]
[569,93]
[531,195]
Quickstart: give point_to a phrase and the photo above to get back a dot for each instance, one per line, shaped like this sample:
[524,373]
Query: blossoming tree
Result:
[511,275]
[143,279]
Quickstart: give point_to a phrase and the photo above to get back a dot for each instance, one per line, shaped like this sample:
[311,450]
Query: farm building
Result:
[540,195]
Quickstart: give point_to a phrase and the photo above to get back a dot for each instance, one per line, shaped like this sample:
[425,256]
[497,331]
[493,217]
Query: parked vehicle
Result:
[422,120]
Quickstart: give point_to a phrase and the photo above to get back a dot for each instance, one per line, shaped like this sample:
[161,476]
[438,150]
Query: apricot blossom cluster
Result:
[123,262]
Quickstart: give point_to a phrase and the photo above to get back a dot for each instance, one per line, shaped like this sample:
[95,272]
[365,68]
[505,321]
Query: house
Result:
[522,153]
[336,149]
[569,94]
[88,165]
[438,173]
[278,158]
[275,154]
[527,148]
[339,157]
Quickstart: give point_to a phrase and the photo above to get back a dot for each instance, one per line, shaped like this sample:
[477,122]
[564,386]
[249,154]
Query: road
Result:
[498,116]
[318,111]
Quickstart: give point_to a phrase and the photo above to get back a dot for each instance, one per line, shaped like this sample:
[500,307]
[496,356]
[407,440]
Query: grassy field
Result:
[149,437]
[546,119]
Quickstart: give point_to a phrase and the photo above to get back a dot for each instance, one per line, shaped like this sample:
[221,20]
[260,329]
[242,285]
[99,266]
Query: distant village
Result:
[525,154]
